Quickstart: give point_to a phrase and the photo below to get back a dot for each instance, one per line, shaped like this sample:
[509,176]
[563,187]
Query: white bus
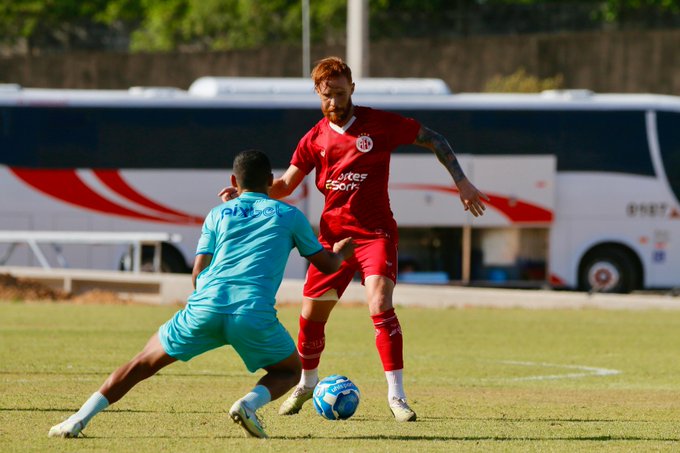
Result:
[584,187]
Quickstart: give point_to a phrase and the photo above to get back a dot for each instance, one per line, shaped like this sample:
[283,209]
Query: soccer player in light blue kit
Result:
[239,265]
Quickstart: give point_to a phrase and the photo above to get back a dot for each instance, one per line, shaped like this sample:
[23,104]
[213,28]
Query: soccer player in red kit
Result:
[350,150]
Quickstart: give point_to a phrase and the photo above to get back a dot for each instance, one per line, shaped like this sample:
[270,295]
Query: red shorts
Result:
[371,257]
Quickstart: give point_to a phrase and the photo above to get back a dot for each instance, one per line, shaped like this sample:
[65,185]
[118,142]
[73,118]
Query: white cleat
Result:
[243,416]
[67,428]
[294,402]
[401,410]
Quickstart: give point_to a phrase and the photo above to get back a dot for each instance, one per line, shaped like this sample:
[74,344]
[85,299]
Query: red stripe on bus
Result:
[113,180]
[556,281]
[517,211]
[65,185]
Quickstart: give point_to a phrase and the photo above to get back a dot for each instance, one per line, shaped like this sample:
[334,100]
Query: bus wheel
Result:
[607,270]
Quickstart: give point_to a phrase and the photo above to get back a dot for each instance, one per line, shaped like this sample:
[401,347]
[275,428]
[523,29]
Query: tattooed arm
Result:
[469,195]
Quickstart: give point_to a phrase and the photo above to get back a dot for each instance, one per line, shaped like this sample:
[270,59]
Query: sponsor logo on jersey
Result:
[346,181]
[250,212]
[364,143]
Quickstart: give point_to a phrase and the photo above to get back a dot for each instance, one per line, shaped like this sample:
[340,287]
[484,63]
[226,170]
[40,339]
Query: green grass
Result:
[462,377]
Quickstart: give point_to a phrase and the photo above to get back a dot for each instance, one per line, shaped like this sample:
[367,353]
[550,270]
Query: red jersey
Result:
[352,171]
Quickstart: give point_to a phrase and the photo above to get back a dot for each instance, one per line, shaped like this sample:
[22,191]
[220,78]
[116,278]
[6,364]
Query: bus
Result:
[584,188]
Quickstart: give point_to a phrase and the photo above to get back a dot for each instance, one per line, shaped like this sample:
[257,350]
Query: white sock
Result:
[257,397]
[309,378]
[94,405]
[395,384]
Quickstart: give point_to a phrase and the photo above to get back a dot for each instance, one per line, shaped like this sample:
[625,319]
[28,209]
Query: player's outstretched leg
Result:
[145,364]
[311,343]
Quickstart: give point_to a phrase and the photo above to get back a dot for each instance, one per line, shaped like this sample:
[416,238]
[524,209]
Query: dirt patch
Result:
[27,290]
[12,288]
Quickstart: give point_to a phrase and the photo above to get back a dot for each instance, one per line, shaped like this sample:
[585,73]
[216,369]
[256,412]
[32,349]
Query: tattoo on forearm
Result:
[441,148]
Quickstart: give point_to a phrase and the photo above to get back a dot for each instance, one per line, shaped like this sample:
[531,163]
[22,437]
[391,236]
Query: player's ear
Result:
[270,182]
[351,92]
[233,181]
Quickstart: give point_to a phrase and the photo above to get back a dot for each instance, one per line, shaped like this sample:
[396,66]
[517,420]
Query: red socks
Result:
[388,340]
[311,342]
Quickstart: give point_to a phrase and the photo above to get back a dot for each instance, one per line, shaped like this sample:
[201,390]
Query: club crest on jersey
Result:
[364,143]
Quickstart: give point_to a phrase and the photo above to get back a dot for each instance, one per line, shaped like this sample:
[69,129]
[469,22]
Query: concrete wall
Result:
[600,61]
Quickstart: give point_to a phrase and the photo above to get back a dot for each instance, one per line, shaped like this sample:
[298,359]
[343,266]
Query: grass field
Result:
[480,380]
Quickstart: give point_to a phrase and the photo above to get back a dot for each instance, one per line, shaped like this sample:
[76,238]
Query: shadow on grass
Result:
[397,438]
[168,373]
[108,410]
[544,420]
[495,438]
[356,419]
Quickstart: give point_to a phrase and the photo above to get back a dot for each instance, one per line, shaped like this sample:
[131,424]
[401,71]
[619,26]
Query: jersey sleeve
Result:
[405,129]
[303,157]
[303,236]
[206,242]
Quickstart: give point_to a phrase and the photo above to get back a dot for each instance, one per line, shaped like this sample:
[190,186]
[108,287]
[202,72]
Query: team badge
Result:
[364,143]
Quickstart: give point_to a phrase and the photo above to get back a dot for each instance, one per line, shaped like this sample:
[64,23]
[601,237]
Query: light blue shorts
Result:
[260,341]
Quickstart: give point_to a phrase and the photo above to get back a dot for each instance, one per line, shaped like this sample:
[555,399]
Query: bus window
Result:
[669,142]
[64,135]
[186,138]
[582,140]
[180,138]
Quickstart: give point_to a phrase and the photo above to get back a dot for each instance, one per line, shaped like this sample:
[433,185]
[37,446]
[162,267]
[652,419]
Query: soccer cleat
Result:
[242,415]
[401,410]
[67,428]
[294,403]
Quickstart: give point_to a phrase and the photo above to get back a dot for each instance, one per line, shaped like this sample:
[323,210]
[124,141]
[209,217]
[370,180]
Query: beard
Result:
[339,115]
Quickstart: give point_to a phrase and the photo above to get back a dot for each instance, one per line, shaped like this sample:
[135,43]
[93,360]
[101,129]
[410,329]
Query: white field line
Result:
[586,371]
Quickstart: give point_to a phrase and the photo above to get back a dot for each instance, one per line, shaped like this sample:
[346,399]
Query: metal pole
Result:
[357,37]
[467,253]
[137,257]
[305,39]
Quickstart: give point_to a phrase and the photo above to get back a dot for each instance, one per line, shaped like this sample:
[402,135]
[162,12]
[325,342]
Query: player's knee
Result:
[143,366]
[379,304]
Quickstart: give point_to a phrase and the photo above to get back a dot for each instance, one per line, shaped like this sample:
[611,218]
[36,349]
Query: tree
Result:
[165,25]
[229,24]
[53,23]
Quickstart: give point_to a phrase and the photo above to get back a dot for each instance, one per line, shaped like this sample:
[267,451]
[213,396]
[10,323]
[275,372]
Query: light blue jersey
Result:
[250,239]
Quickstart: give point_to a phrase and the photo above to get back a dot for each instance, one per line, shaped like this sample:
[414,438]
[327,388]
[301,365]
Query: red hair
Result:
[330,68]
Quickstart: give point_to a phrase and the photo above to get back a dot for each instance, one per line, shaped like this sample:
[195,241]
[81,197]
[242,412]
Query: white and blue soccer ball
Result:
[336,397]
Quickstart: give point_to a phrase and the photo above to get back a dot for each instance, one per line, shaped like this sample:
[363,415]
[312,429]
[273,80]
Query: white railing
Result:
[135,240]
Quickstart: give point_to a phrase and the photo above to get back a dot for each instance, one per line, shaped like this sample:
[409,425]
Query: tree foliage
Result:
[164,25]
[522,82]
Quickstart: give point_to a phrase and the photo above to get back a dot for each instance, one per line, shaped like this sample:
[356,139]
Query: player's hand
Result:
[228,193]
[344,247]
[471,198]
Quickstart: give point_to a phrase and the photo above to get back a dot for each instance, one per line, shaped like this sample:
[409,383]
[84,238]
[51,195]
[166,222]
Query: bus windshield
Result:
[669,141]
